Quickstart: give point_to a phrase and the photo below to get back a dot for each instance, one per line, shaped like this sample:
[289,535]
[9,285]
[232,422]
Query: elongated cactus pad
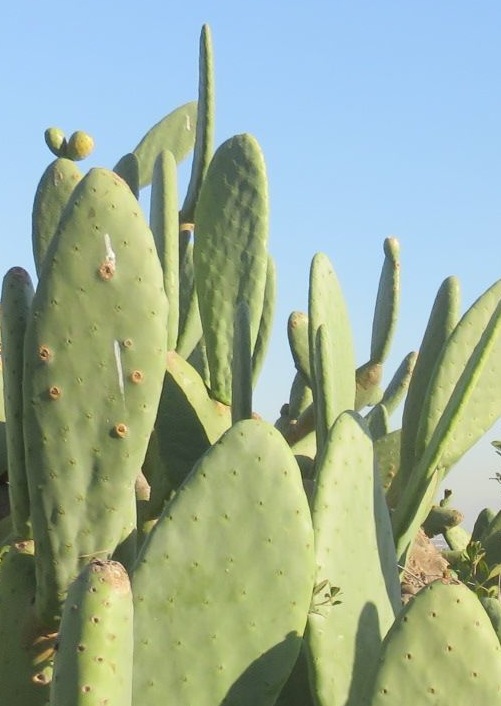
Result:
[356,554]
[241,374]
[17,295]
[230,252]
[297,332]
[463,401]
[190,326]
[266,323]
[53,191]
[165,228]
[93,663]
[327,307]
[204,137]
[94,365]
[442,321]
[387,303]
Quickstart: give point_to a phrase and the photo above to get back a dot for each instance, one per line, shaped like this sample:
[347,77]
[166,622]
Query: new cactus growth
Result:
[55,141]
[80,146]
[53,193]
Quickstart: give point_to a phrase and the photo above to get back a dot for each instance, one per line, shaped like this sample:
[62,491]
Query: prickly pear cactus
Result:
[262,561]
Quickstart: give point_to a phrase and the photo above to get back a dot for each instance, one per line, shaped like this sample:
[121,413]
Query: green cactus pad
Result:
[266,323]
[93,663]
[442,321]
[128,168]
[296,691]
[241,374]
[300,396]
[204,137]
[55,141]
[463,401]
[378,421]
[387,453]
[326,306]
[326,402]
[198,359]
[94,367]
[492,606]
[52,194]
[188,420]
[190,326]
[440,519]
[224,580]
[164,225]
[482,523]
[491,540]
[457,538]
[230,252]
[355,553]
[466,348]
[441,650]
[175,132]
[305,451]
[297,332]
[26,652]
[17,295]
[395,392]
[368,391]
[387,303]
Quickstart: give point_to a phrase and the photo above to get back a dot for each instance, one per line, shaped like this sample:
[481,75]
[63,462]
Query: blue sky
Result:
[375,118]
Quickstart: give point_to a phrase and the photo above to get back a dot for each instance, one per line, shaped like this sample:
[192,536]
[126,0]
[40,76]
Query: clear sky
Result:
[375,118]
